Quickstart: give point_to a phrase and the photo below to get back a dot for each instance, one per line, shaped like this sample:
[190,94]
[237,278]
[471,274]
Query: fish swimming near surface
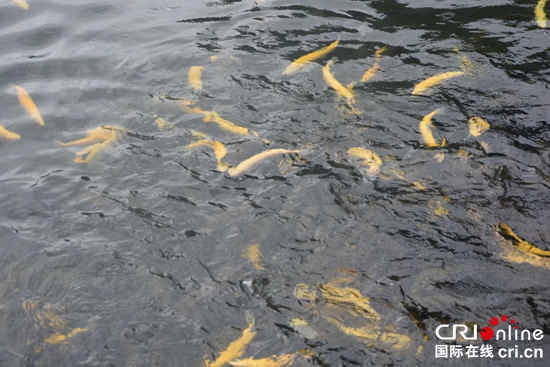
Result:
[345,92]
[426,132]
[252,161]
[212,116]
[8,135]
[372,71]
[98,134]
[522,245]
[219,151]
[225,124]
[237,348]
[369,157]
[374,334]
[273,361]
[27,103]
[540,15]
[90,152]
[306,59]
[424,86]
[22,4]
[478,126]
[194,77]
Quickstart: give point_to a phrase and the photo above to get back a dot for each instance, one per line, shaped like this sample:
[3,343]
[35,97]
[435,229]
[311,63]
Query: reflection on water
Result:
[351,217]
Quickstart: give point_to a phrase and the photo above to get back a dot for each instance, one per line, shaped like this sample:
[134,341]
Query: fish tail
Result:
[440,110]
[443,141]
[250,318]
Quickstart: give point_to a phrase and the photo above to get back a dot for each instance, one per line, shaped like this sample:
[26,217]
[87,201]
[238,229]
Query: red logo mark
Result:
[487,332]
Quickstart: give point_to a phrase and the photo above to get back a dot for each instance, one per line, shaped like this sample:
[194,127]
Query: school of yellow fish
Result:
[336,300]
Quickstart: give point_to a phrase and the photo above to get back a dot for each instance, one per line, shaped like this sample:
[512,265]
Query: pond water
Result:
[148,255]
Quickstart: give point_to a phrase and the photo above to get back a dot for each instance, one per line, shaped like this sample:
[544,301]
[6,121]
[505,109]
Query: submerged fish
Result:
[302,327]
[254,254]
[219,151]
[422,87]
[91,151]
[45,317]
[58,338]
[522,245]
[22,4]
[302,61]
[273,361]
[540,15]
[101,133]
[247,164]
[478,126]
[372,71]
[349,299]
[426,132]
[162,123]
[369,157]
[194,76]
[345,92]
[27,103]
[236,60]
[8,135]
[237,347]
[374,334]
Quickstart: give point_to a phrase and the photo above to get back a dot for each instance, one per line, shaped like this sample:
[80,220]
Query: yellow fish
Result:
[91,151]
[219,151]
[8,135]
[247,164]
[422,87]
[101,133]
[58,338]
[540,15]
[369,157]
[28,104]
[162,123]
[237,347]
[426,132]
[273,361]
[22,4]
[45,317]
[213,116]
[194,76]
[347,298]
[374,334]
[302,61]
[478,126]
[522,245]
[226,125]
[370,73]
[437,208]
[253,254]
[345,92]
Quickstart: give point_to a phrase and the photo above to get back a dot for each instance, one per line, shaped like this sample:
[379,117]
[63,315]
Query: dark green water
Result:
[143,246]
